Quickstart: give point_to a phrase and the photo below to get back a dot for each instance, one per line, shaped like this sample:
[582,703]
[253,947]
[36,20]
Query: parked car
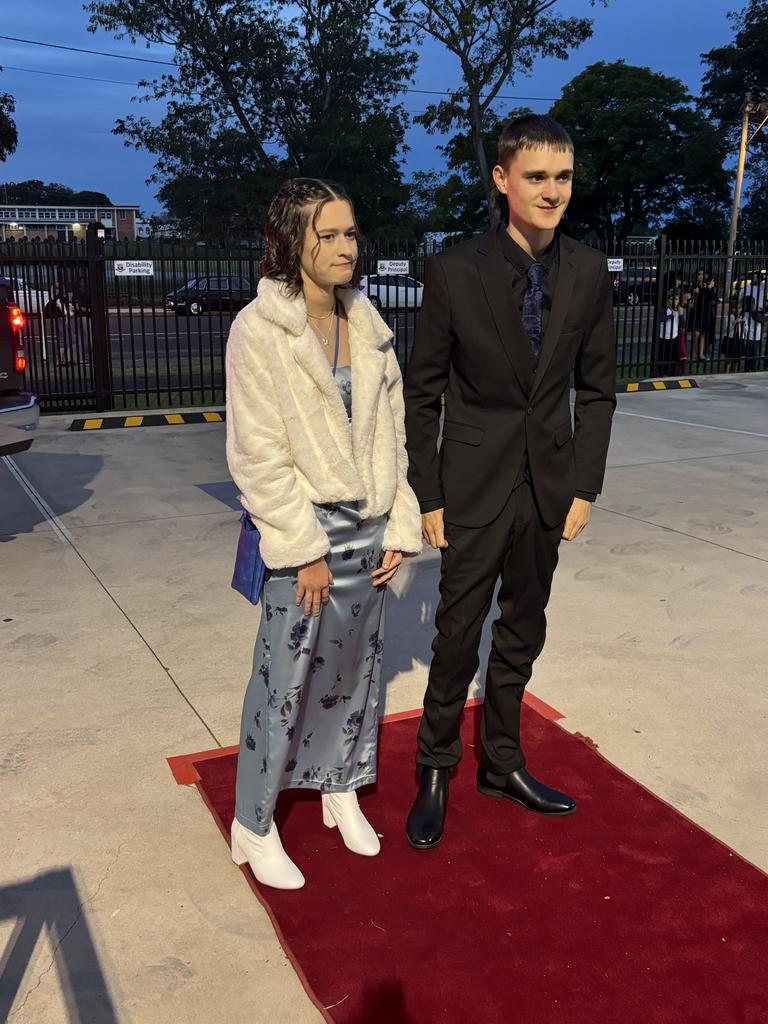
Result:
[634,285]
[229,293]
[19,411]
[30,300]
[393,291]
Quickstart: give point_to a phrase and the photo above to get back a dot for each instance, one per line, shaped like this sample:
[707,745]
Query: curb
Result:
[171,419]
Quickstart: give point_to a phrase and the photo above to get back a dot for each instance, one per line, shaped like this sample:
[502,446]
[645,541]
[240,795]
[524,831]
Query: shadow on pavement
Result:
[50,903]
[61,479]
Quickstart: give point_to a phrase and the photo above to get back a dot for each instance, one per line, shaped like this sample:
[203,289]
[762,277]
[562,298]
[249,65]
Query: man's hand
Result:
[432,529]
[577,519]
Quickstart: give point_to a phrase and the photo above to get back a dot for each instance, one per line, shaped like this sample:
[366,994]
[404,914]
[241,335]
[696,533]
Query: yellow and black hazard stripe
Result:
[655,385]
[176,419]
[169,419]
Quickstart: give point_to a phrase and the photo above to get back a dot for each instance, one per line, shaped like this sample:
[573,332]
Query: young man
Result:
[505,319]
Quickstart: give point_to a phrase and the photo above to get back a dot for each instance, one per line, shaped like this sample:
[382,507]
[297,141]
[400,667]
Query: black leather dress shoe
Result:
[427,817]
[521,787]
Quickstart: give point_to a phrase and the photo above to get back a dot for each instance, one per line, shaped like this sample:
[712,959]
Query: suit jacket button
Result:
[529,410]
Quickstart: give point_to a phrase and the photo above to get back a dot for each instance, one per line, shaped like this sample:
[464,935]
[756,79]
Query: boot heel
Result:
[238,857]
[328,819]
[490,792]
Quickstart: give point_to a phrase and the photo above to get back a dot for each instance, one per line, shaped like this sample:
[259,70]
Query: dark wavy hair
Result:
[287,219]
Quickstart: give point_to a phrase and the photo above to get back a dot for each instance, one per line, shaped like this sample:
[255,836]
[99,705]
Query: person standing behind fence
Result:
[753,335]
[732,346]
[701,315]
[316,445]
[669,338]
[756,290]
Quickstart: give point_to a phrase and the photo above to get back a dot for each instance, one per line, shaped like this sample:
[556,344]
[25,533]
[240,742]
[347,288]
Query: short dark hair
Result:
[531,131]
[286,223]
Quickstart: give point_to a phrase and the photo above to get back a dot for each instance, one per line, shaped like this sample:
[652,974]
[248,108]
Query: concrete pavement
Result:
[121,644]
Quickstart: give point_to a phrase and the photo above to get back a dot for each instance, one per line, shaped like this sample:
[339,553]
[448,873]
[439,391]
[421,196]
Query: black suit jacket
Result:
[470,345]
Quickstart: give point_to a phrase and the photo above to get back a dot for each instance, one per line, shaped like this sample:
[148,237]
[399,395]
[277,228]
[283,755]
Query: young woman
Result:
[315,443]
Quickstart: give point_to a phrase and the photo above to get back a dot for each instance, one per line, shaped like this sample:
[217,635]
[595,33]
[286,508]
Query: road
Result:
[158,358]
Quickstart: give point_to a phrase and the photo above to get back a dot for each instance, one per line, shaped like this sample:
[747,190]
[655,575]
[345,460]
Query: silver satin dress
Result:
[310,715]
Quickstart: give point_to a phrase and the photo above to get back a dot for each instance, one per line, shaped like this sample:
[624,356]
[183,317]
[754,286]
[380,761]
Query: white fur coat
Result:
[289,440]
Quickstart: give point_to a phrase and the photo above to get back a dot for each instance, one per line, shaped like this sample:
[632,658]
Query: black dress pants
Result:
[518,547]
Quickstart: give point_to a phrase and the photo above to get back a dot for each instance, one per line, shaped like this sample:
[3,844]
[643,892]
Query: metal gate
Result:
[59,287]
[143,325]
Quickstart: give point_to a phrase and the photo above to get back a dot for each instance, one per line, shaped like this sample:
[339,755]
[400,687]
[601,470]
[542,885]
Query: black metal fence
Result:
[145,324]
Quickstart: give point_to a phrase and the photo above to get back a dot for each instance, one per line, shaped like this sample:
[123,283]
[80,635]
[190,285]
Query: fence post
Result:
[102,370]
[661,299]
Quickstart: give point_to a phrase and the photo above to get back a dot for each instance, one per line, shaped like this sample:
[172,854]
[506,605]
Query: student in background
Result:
[667,351]
[732,346]
[753,334]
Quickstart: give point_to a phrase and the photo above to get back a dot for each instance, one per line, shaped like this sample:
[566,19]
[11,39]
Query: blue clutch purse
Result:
[250,571]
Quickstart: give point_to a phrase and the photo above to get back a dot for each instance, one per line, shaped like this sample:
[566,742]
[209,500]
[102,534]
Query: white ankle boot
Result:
[343,810]
[269,862]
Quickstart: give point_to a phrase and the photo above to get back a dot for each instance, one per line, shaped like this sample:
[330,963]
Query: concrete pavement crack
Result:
[78,916]
[681,533]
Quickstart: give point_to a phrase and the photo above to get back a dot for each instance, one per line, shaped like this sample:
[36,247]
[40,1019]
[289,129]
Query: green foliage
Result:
[734,70]
[36,193]
[494,41]
[738,68]
[643,152]
[456,204]
[264,91]
[9,136]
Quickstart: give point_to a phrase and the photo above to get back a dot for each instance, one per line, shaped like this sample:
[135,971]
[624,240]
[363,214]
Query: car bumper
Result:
[19,417]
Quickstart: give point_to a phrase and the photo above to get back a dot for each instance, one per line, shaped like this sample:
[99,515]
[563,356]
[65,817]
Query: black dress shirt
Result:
[519,261]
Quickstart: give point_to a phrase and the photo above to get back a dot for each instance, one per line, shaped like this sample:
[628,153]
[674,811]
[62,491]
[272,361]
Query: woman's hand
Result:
[389,566]
[313,586]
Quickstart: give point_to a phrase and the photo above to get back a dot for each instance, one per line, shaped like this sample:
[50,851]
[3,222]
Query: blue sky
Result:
[65,123]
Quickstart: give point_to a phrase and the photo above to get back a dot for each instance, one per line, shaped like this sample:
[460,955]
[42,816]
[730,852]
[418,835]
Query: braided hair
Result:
[287,219]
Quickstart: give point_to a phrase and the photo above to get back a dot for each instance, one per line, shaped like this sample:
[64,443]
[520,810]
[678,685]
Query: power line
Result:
[172,64]
[98,53]
[61,74]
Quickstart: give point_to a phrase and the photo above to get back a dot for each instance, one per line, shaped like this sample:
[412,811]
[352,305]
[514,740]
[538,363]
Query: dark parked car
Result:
[634,285]
[19,411]
[228,293]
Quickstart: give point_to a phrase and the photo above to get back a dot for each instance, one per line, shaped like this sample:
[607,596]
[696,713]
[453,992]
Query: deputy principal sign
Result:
[134,268]
[393,267]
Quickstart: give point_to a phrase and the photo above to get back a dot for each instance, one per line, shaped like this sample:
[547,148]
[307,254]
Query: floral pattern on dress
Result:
[310,715]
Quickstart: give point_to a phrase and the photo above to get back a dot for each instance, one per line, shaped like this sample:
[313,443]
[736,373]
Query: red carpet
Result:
[623,913]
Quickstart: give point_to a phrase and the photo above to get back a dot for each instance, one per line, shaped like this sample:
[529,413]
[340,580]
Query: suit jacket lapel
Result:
[495,279]
[566,278]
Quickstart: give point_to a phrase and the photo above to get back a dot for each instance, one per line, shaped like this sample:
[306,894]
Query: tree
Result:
[732,72]
[643,152]
[738,68]
[9,136]
[263,91]
[493,40]
[36,193]
[457,204]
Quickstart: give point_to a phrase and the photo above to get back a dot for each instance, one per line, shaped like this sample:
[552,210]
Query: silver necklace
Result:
[324,340]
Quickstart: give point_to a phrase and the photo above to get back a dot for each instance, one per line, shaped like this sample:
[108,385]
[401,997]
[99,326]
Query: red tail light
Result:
[18,320]
[20,362]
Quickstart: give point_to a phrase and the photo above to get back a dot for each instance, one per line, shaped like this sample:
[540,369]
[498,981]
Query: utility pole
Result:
[747,111]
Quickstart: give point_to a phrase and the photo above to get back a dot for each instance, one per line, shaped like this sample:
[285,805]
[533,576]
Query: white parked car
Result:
[29,299]
[393,291]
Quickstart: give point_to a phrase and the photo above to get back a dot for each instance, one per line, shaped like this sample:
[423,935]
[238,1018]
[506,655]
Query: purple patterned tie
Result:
[532,302]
